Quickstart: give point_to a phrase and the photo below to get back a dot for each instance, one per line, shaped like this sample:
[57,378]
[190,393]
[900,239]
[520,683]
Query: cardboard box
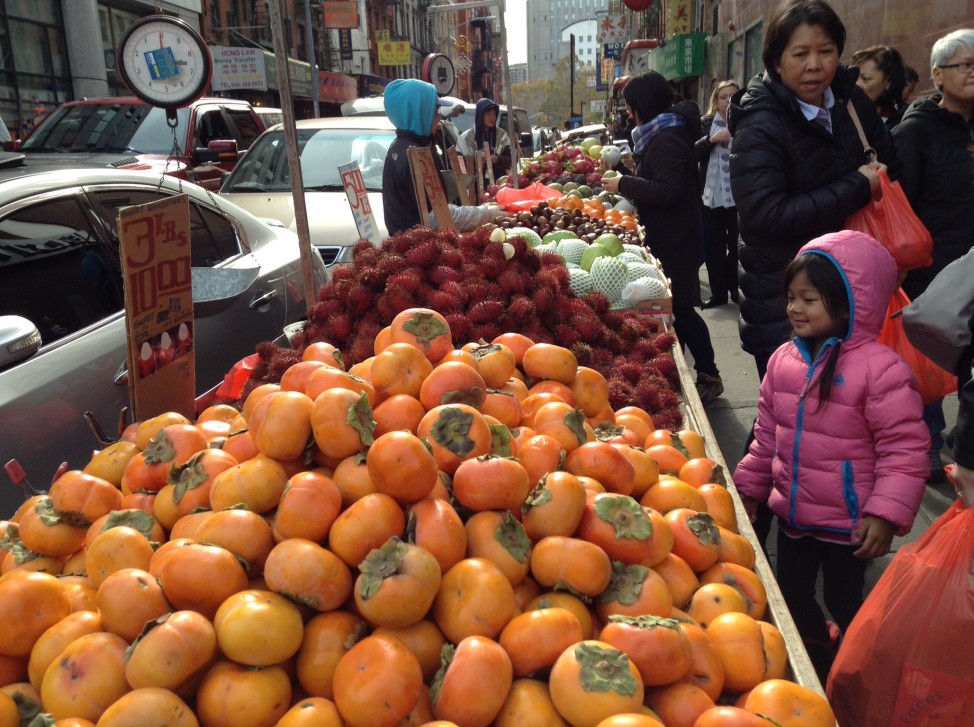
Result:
[661,308]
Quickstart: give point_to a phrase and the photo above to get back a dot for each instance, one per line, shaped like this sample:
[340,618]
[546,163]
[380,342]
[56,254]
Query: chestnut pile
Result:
[542,218]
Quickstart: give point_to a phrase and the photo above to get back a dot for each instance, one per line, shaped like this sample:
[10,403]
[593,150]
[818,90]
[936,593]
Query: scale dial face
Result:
[164,61]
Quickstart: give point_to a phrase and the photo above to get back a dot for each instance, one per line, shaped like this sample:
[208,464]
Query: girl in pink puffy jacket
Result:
[840,447]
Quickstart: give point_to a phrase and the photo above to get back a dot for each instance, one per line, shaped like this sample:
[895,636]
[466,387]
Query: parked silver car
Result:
[59,269]
[261,182]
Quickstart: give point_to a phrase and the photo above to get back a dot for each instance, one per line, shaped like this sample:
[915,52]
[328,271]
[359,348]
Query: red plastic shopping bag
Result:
[934,382]
[237,377]
[906,657]
[892,221]
[514,200]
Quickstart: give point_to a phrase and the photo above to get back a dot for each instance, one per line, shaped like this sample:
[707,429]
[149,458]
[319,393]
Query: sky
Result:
[516,24]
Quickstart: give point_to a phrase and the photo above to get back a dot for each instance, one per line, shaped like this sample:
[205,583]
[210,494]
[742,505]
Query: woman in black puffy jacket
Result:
[798,167]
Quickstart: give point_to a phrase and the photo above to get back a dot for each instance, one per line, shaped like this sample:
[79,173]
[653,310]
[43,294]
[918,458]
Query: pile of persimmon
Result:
[444,536]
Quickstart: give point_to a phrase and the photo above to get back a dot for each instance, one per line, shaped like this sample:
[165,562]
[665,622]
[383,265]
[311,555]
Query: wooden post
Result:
[293,160]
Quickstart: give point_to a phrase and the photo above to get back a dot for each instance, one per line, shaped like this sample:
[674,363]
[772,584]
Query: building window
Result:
[34,55]
[753,40]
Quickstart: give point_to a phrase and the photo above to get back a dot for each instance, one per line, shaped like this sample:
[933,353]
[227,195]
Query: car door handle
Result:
[122,375]
[264,298]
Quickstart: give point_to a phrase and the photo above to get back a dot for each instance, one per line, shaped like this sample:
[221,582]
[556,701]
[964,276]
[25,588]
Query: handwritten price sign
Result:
[358,200]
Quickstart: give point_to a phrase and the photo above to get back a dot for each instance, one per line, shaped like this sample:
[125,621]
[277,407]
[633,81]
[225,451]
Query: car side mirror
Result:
[218,150]
[19,340]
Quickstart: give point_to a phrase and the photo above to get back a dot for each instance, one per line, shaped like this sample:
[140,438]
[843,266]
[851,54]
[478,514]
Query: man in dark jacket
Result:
[935,141]
[412,106]
[793,180]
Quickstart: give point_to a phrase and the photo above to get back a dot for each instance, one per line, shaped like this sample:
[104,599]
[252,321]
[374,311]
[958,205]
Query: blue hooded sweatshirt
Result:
[410,105]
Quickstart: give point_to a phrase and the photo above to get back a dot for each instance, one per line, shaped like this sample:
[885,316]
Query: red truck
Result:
[201,143]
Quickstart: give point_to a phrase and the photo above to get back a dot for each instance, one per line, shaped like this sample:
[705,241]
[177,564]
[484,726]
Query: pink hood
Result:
[869,272]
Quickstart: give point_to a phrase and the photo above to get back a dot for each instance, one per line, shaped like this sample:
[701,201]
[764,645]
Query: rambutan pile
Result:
[467,279]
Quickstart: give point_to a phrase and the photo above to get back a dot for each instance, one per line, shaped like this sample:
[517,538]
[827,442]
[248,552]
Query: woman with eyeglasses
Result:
[935,141]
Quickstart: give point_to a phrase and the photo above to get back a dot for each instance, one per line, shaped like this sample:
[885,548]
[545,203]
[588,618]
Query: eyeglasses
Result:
[964,66]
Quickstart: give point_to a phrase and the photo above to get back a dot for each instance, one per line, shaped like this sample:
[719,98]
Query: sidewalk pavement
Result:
[732,414]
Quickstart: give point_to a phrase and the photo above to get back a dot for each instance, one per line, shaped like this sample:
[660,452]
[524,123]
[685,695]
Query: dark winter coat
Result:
[703,148]
[793,181]
[400,210]
[666,193]
[936,147]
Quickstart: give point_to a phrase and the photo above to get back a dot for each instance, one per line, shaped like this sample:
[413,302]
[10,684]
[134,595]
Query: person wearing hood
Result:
[413,107]
[485,129]
[935,141]
[837,506]
[666,192]
[798,168]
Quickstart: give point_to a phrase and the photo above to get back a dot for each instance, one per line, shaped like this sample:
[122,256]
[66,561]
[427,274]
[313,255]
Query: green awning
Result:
[681,57]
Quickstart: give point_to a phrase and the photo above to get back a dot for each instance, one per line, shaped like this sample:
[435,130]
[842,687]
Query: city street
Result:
[732,414]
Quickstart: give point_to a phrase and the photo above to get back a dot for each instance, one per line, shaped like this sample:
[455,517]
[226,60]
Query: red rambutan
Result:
[443,302]
[664,342]
[566,336]
[423,255]
[476,290]
[630,330]
[544,299]
[359,348]
[441,275]
[513,281]
[407,279]
[451,257]
[343,272]
[371,277]
[391,263]
[338,328]
[583,353]
[393,302]
[665,364]
[597,302]
[485,331]
[551,258]
[485,311]
[631,372]
[645,348]
[492,267]
[548,279]
[621,393]
[459,326]
[359,300]
[521,308]
[589,326]
[365,254]
[456,289]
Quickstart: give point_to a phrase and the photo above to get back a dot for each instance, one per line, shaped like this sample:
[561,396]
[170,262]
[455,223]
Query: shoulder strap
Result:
[870,152]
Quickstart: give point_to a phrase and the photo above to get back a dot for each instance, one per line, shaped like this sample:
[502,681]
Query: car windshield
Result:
[264,168]
[108,128]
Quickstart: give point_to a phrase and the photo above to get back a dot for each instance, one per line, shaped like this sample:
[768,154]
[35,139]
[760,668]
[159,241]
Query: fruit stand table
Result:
[696,419]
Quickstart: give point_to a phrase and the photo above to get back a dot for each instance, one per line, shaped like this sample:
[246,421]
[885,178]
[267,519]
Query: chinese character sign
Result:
[158,281]
[611,28]
[358,200]
[341,14]
[679,17]
[238,68]
[394,53]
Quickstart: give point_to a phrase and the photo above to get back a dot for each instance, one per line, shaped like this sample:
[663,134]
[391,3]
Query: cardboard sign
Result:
[428,187]
[488,164]
[459,166]
[358,200]
[158,280]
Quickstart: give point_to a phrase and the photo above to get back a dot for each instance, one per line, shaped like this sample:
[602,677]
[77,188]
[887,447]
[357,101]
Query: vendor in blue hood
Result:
[412,106]
[485,129]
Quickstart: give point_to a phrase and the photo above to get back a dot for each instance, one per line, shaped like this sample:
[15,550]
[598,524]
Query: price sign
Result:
[158,280]
[358,200]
